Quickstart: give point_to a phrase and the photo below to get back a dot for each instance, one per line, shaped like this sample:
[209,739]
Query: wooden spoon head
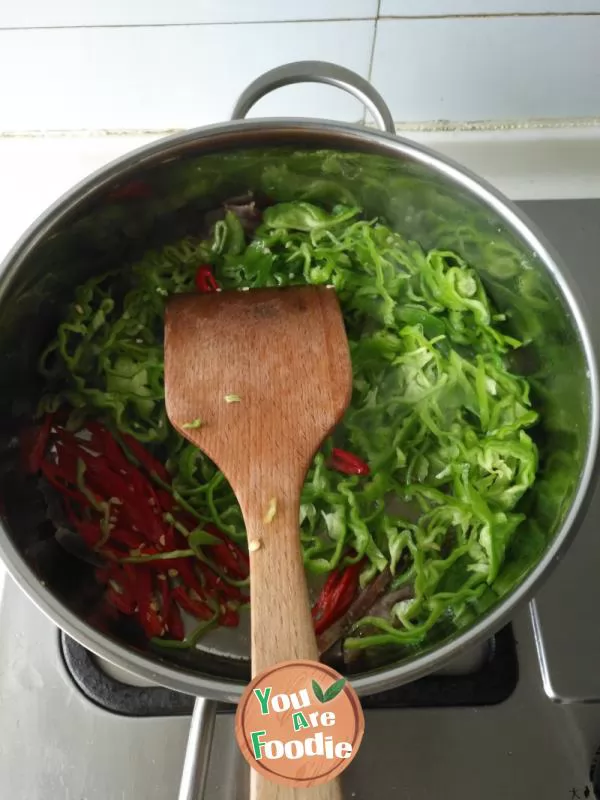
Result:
[256,377]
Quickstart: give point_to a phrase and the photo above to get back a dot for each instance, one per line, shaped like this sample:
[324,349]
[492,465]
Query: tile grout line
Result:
[183,24]
[496,15]
[374,42]
[372,54]
[376,19]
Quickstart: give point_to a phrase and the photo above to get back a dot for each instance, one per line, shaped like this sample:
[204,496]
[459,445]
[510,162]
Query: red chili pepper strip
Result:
[188,576]
[136,526]
[148,609]
[131,576]
[106,470]
[103,573]
[145,458]
[66,462]
[104,442]
[205,280]
[90,532]
[216,585]
[121,588]
[175,623]
[165,594]
[33,445]
[135,506]
[228,555]
[122,603]
[174,541]
[336,597]
[348,463]
[132,540]
[55,476]
[133,189]
[73,444]
[105,482]
[165,500]
[139,506]
[326,590]
[150,621]
[197,608]
[229,617]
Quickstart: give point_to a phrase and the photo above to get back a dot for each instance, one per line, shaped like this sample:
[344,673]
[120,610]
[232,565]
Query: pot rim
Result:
[223,136]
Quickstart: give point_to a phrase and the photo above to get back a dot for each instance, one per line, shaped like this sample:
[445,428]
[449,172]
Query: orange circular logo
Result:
[299,723]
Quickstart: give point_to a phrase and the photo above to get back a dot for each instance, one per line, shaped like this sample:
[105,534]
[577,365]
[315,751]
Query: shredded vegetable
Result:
[424,476]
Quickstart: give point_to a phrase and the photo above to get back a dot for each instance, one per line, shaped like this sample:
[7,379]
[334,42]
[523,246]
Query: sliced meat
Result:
[246,211]
[359,609]
[382,608]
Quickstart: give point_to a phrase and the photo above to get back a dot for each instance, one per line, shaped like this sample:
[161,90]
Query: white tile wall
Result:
[426,8]
[150,64]
[165,77]
[489,68]
[57,13]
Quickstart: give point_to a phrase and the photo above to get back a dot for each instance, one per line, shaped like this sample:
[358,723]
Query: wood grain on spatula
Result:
[257,380]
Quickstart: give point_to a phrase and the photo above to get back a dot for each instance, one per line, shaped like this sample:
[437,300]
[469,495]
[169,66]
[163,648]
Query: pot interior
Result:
[94,230]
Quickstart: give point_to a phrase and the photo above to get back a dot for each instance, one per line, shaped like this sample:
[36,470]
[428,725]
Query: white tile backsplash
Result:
[168,77]
[146,64]
[490,68]
[57,13]
[426,8]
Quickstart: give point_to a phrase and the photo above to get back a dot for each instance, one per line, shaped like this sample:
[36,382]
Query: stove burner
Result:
[492,683]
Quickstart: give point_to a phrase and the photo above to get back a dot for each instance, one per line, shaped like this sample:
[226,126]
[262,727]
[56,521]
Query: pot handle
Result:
[316,72]
[197,751]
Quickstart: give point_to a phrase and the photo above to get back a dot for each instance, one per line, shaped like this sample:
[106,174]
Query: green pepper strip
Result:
[211,540]
[204,559]
[189,641]
[141,559]
[100,505]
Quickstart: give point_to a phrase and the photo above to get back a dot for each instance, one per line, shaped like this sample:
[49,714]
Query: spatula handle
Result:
[262,789]
[282,626]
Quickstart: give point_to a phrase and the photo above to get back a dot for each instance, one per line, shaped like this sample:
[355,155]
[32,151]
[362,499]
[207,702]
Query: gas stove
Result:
[518,718]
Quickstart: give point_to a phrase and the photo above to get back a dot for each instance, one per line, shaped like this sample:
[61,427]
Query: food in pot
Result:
[407,511]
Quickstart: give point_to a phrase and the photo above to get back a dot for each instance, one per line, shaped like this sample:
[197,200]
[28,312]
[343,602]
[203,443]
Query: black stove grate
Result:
[493,683]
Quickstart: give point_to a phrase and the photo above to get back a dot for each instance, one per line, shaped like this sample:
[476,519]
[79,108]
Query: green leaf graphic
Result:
[318,692]
[329,694]
[334,690]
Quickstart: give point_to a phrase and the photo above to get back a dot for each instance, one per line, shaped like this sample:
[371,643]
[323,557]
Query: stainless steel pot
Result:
[418,192]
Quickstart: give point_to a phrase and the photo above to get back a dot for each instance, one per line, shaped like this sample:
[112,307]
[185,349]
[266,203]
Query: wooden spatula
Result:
[257,380]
